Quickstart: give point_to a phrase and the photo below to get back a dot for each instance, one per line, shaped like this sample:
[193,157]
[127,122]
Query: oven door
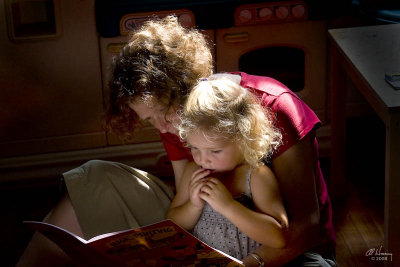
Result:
[293,53]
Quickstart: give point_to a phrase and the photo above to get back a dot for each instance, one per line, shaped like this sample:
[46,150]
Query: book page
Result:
[160,244]
[72,244]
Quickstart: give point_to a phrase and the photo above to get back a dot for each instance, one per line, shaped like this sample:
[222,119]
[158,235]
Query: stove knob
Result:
[298,11]
[281,12]
[245,15]
[265,13]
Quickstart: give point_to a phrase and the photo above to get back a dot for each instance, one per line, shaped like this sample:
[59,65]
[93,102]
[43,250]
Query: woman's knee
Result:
[96,164]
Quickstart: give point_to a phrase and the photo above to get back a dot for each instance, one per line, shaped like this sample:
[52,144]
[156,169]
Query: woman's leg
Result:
[102,197]
[43,252]
[110,196]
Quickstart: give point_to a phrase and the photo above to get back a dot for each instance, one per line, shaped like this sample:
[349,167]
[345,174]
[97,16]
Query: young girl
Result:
[227,197]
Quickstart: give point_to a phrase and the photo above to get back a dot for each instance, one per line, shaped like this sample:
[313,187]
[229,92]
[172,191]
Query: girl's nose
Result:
[203,160]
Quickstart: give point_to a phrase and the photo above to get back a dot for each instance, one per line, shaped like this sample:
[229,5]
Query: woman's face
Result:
[160,116]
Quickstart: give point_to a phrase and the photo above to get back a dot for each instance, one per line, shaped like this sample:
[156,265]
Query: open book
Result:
[160,244]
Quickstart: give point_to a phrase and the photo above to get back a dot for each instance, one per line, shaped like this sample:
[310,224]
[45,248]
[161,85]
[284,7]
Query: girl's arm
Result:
[267,224]
[179,167]
[295,172]
[186,207]
[270,209]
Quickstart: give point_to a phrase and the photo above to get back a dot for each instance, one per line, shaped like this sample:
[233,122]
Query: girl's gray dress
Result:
[218,232]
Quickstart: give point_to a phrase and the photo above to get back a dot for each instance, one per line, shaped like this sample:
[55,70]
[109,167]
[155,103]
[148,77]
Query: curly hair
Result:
[162,61]
[221,108]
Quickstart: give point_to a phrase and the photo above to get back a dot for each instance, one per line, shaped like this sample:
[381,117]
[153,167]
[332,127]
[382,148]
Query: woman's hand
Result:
[197,181]
[216,194]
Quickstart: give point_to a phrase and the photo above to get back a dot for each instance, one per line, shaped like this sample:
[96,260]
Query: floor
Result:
[359,229]
[358,218]
[19,203]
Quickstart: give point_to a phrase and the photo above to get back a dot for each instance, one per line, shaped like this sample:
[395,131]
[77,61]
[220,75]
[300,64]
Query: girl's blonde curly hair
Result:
[162,61]
[221,108]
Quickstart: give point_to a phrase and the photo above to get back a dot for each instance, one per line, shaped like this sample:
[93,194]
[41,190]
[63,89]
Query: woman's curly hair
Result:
[221,108]
[162,60]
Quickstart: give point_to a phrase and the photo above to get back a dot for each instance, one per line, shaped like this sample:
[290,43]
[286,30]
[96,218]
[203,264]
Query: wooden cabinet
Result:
[51,91]
[51,97]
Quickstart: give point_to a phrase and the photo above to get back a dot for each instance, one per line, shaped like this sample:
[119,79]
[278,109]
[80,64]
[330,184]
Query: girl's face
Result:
[217,155]
[158,115]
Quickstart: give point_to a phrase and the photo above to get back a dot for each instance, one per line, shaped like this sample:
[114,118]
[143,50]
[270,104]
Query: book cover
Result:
[160,244]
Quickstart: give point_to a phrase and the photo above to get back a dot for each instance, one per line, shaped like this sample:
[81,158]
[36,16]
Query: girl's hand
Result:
[197,181]
[216,194]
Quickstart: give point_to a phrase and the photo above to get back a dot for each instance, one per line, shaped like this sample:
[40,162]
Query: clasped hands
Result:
[205,188]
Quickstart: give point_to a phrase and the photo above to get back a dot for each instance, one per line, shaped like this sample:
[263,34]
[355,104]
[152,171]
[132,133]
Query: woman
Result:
[151,79]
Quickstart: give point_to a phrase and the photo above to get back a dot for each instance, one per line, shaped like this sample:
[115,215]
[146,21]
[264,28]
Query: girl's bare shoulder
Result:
[262,173]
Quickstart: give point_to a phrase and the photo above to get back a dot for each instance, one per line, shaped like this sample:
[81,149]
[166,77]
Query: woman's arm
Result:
[295,173]
[186,207]
[268,223]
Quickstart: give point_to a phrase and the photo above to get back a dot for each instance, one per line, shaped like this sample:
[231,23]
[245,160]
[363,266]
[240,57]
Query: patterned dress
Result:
[218,232]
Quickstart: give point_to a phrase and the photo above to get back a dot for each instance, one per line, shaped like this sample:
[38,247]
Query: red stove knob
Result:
[245,15]
[281,12]
[298,11]
[265,13]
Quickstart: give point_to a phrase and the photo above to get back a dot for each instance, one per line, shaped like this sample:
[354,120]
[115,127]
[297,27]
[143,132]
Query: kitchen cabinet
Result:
[51,91]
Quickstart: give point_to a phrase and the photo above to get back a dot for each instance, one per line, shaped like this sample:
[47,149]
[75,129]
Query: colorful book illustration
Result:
[160,244]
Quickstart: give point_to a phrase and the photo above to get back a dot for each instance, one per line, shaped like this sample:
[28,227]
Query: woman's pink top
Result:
[295,120]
